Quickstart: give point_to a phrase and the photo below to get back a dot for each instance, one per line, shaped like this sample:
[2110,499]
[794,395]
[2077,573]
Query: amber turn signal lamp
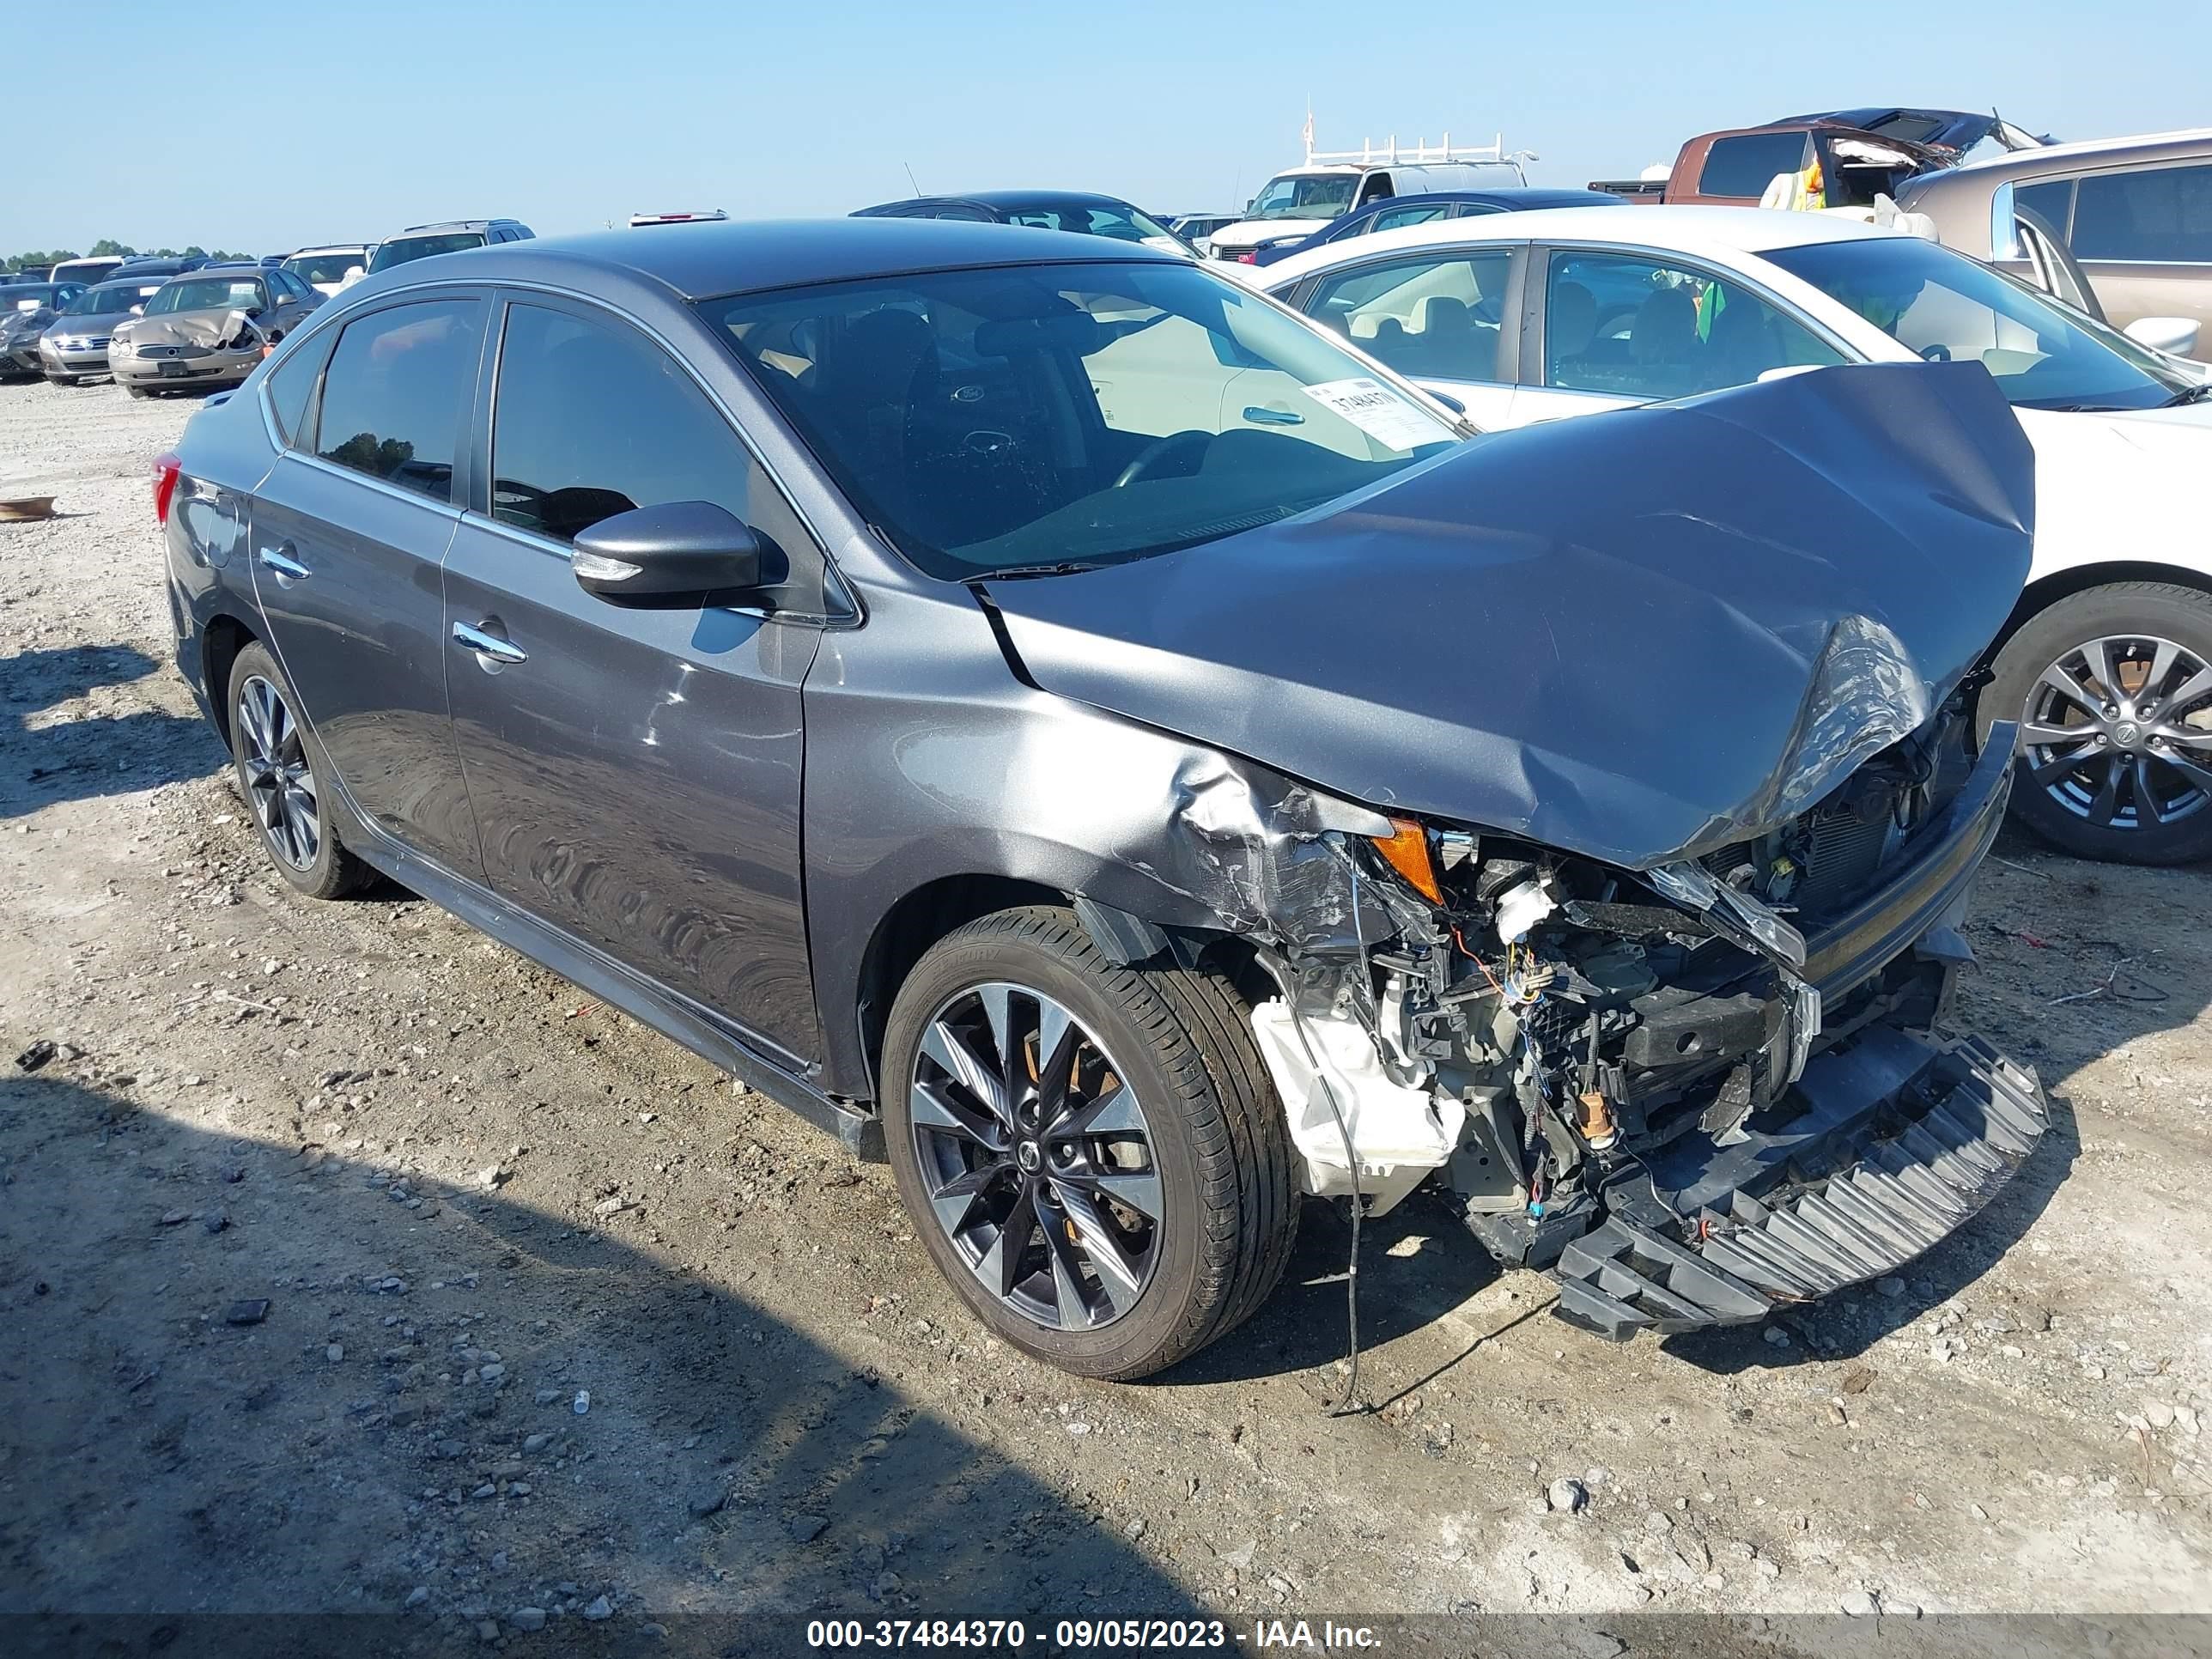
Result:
[1406,850]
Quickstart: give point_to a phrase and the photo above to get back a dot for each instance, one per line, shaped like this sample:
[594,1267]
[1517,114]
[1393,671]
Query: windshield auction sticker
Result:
[1379,412]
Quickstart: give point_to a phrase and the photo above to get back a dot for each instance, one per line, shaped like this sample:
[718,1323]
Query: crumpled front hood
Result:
[188,328]
[1638,636]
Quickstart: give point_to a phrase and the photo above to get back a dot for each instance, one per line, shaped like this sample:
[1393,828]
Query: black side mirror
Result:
[679,550]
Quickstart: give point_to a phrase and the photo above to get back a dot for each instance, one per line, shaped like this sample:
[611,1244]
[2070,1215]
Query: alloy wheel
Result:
[2118,731]
[279,781]
[1037,1157]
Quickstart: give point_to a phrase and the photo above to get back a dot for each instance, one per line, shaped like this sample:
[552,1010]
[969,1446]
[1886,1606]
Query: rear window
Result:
[394,393]
[1746,164]
[399,251]
[326,267]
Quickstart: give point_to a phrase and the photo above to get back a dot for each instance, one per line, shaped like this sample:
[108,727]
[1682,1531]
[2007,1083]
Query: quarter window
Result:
[2052,201]
[292,387]
[1630,327]
[394,397]
[2162,215]
[1746,165]
[593,420]
[1437,318]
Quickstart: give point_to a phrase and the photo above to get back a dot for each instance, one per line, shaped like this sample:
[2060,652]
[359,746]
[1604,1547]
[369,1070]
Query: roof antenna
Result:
[910,178]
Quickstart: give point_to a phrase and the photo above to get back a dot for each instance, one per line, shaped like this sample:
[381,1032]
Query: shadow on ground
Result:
[404,1416]
[103,754]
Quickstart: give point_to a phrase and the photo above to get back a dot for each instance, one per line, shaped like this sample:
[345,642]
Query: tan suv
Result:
[2136,212]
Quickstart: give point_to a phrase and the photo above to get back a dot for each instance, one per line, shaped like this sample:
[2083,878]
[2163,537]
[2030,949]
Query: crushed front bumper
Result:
[1903,1140]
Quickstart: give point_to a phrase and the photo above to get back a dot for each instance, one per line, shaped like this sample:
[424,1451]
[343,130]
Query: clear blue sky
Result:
[293,121]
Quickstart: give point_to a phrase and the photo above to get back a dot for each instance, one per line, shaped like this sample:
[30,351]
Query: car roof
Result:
[1677,228]
[710,259]
[447,227]
[205,273]
[1690,230]
[326,247]
[2137,147]
[1020,198]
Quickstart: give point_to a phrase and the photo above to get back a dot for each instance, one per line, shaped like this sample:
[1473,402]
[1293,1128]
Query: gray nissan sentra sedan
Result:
[1057,719]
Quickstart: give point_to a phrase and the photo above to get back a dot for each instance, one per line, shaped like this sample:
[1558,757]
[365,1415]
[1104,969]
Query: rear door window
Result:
[1436,317]
[396,391]
[2156,215]
[1414,213]
[1746,164]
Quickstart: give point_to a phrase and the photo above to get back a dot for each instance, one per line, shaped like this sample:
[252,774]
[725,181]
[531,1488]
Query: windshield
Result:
[1123,224]
[1038,415]
[16,293]
[326,267]
[400,251]
[207,294]
[109,299]
[1305,196]
[1947,308]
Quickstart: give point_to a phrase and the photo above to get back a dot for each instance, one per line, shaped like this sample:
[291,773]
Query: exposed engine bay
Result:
[1568,1041]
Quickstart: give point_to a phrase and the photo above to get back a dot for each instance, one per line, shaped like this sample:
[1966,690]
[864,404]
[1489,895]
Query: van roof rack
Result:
[1391,153]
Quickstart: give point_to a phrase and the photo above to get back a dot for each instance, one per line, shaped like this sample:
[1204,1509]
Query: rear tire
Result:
[283,776]
[2144,795]
[1197,1144]
[134,390]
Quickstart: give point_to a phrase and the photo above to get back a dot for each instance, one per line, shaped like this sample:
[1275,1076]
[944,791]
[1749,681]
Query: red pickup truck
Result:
[1862,153]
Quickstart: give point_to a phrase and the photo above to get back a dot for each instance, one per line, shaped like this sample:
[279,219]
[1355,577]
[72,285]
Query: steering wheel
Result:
[1936,353]
[1158,451]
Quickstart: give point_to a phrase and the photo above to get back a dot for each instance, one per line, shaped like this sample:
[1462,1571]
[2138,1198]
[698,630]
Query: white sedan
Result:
[2107,661]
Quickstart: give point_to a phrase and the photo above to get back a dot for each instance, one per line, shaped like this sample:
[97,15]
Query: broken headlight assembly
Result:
[1574,1044]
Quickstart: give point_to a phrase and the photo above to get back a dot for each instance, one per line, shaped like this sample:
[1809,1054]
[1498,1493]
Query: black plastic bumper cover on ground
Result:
[1897,1192]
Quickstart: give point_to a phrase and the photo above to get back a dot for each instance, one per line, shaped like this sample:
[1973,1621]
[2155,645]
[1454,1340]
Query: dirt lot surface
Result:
[560,1330]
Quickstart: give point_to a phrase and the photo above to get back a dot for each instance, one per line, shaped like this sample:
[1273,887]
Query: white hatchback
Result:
[2107,661]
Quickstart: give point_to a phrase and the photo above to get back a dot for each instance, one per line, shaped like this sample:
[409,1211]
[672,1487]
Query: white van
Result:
[1301,200]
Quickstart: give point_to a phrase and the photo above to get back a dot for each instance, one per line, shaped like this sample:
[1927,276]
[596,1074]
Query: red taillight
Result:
[166,471]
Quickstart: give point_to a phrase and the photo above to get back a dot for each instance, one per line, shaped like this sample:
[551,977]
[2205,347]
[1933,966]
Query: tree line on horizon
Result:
[44,260]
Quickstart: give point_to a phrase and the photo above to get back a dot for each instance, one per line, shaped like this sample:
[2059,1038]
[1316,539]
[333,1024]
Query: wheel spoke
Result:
[2163,652]
[951,1051]
[1114,1113]
[1118,1277]
[2037,732]
[934,1108]
[2106,804]
[2189,690]
[956,1201]
[2106,668]
[2147,809]
[2198,774]
[1139,1189]
[2059,679]
[2058,767]
[998,1008]
[1058,1038]
[1066,1269]
[1001,1266]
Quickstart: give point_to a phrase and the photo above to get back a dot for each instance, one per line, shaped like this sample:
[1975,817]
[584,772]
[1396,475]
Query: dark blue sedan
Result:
[1396,212]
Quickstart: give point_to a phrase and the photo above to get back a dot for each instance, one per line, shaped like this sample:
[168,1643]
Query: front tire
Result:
[1092,1155]
[282,774]
[2113,688]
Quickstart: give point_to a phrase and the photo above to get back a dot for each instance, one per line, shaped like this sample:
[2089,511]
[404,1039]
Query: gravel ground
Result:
[351,1262]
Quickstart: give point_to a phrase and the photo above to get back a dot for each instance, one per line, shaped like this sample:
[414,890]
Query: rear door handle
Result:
[279,559]
[488,644]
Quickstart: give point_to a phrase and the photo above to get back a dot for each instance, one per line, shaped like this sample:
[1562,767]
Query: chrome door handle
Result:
[489,645]
[280,561]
